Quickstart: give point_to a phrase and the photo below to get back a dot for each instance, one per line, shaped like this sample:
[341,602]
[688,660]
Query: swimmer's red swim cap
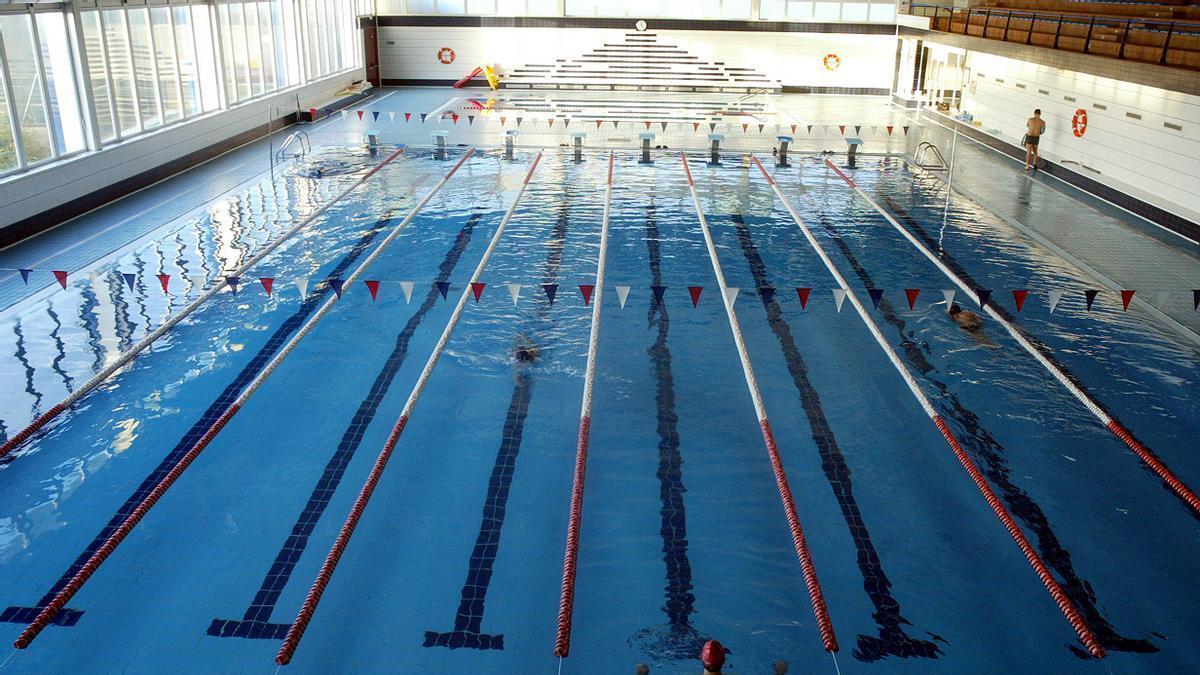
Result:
[712,656]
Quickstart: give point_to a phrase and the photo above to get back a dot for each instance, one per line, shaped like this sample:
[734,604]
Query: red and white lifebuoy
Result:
[1079,123]
[831,61]
[445,55]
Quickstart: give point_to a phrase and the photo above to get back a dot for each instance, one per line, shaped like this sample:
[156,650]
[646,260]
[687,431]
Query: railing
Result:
[923,153]
[1168,43]
[302,143]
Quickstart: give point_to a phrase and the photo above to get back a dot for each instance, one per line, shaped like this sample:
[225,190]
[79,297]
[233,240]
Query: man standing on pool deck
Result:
[1034,128]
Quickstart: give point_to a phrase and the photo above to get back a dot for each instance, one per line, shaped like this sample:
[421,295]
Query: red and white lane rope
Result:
[1056,592]
[1145,454]
[93,563]
[20,437]
[824,625]
[292,640]
[566,603]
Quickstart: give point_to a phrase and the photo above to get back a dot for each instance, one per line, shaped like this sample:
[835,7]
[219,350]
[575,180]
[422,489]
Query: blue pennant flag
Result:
[423,116]
[1090,297]
[1196,300]
[25,275]
[767,293]
[233,283]
[658,293]
[443,287]
[876,295]
[984,294]
[551,290]
[336,285]
[129,279]
[375,114]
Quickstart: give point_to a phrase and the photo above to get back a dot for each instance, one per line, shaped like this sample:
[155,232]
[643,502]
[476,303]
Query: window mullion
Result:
[14,123]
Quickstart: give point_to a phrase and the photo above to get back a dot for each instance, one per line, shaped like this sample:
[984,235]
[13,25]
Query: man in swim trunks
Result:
[1034,128]
[965,319]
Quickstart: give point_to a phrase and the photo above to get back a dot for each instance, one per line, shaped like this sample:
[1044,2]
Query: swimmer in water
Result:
[967,320]
[525,351]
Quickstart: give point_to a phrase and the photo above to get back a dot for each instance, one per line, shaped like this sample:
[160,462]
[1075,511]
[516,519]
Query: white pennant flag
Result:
[622,295]
[839,296]
[302,286]
[1161,299]
[731,296]
[1055,296]
[949,296]
[391,117]
[407,287]
[514,291]
[198,281]
[343,115]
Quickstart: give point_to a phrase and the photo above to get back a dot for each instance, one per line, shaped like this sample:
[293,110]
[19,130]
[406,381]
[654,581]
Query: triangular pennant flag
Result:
[519,121]
[911,294]
[360,114]
[857,129]
[1161,299]
[129,279]
[164,280]
[616,124]
[810,128]
[842,128]
[695,126]
[803,293]
[876,294]
[731,295]
[1126,297]
[477,289]
[25,276]
[983,295]
[768,295]
[948,296]
[793,129]
[454,117]
[1055,297]
[905,130]
[302,287]
[443,287]
[744,127]
[514,292]
[337,285]
[198,280]
[407,116]
[233,282]
[375,114]
[551,122]
[598,123]
[890,129]
[622,295]
[267,283]
[658,293]
[695,292]
[391,117]
[407,287]
[312,112]
[586,290]
[1089,297]
[566,123]
[663,125]
[61,275]
[1019,298]
[423,116]
[839,296]
[712,126]
[550,290]
[344,113]
[1195,300]
[373,286]
[503,120]
[647,123]
[760,128]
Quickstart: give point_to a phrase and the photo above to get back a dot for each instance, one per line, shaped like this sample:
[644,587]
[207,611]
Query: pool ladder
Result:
[929,157]
[300,138]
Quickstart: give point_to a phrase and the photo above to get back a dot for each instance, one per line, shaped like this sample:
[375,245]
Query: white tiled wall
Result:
[1155,159]
[31,193]
[795,59]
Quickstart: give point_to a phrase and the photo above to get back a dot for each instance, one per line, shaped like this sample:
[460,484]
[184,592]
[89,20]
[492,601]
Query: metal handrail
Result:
[926,148]
[300,137]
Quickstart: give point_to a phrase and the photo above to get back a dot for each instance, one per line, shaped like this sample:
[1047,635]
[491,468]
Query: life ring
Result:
[445,55]
[1079,123]
[831,61]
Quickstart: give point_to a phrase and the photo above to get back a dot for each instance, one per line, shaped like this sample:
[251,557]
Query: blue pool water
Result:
[456,564]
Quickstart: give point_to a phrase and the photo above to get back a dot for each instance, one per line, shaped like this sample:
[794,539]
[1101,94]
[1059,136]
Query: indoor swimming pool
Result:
[417,330]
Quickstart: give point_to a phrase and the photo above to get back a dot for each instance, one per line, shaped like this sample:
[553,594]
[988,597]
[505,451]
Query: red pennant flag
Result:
[1126,297]
[267,283]
[360,114]
[503,121]
[890,130]
[407,116]
[912,294]
[164,279]
[1019,298]
[842,128]
[598,123]
[312,114]
[647,125]
[586,289]
[373,286]
[803,293]
[454,117]
[551,122]
[477,289]
[695,126]
[695,292]
[744,127]
[61,275]
[793,129]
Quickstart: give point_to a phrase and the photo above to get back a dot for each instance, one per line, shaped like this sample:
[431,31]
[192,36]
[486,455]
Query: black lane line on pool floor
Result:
[469,619]
[68,616]
[988,452]
[678,639]
[256,622]
[892,640]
